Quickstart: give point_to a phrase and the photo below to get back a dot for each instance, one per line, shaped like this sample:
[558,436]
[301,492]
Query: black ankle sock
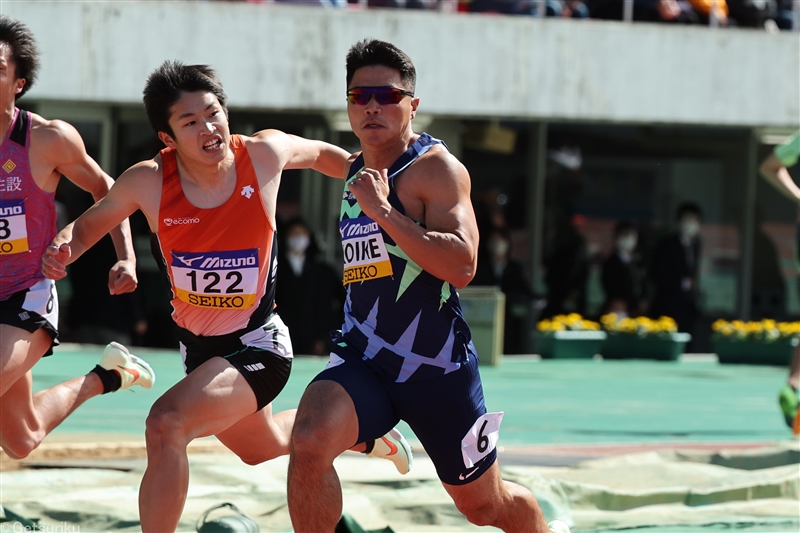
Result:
[111,380]
[370,446]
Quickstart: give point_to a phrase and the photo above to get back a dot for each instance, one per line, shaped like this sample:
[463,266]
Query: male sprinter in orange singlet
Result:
[209,198]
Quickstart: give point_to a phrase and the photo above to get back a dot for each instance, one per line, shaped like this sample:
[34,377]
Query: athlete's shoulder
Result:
[351,160]
[266,140]
[53,134]
[439,161]
[144,173]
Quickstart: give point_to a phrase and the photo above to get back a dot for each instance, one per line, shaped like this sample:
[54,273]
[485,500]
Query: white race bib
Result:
[481,438]
[216,280]
[365,255]
[13,230]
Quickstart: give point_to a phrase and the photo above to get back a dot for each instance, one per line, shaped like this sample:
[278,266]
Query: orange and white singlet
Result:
[221,262]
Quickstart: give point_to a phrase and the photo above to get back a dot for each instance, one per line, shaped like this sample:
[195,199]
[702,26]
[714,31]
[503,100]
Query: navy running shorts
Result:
[447,413]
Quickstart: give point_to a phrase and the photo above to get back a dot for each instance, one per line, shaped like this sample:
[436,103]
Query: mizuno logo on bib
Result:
[365,255]
[13,231]
[216,280]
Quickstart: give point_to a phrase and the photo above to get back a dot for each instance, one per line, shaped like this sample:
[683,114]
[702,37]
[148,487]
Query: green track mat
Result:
[570,401]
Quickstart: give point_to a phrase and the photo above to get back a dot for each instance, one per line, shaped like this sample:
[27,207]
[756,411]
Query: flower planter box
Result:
[569,344]
[754,352]
[665,347]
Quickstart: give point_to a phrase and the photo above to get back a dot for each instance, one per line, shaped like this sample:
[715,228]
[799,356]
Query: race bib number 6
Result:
[13,231]
[216,280]
[481,438]
[365,255]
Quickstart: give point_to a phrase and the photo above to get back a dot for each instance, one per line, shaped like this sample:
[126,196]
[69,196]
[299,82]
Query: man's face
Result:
[689,225]
[10,85]
[200,127]
[374,123]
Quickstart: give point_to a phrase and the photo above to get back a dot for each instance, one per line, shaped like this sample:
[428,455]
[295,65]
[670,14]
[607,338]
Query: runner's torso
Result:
[220,262]
[406,322]
[27,213]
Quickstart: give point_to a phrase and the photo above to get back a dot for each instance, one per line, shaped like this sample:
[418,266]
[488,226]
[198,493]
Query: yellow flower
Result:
[767,329]
[572,322]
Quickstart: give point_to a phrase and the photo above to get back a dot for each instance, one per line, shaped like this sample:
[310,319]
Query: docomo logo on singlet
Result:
[181,221]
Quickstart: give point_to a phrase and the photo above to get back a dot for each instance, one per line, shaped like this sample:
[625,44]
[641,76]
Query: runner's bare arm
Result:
[295,152]
[71,160]
[69,244]
[447,246]
[774,171]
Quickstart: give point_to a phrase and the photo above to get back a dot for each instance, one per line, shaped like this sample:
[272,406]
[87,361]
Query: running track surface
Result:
[581,406]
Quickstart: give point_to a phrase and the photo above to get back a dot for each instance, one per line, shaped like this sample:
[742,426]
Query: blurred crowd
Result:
[661,282]
[770,14]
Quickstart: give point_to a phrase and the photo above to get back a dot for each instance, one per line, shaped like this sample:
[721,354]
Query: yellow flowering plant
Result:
[639,326]
[570,322]
[764,330]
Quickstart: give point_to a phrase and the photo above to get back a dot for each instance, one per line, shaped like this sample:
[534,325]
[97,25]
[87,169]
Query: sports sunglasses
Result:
[384,95]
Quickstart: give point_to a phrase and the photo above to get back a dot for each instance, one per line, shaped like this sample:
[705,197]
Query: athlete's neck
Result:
[384,155]
[6,120]
[204,175]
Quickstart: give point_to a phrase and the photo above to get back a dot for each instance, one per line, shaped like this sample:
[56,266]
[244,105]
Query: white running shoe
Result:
[557,526]
[394,447]
[132,370]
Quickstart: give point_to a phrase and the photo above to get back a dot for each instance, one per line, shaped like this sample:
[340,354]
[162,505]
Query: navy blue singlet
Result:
[406,322]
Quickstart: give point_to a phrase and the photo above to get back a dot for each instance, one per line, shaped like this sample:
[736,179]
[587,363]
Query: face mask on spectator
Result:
[498,247]
[627,243]
[689,227]
[298,243]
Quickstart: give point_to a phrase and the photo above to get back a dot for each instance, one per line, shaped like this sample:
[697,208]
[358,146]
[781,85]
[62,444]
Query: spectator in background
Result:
[495,267]
[674,270]
[567,269]
[784,16]
[753,13]
[677,11]
[399,4]
[312,3]
[553,8]
[707,8]
[622,274]
[309,292]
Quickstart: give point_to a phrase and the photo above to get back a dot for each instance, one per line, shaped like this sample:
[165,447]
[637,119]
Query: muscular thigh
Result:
[209,400]
[17,415]
[373,408]
[448,416]
[19,351]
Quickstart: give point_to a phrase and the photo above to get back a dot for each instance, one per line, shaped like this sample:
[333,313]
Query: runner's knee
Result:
[312,439]
[164,427]
[20,445]
[480,513]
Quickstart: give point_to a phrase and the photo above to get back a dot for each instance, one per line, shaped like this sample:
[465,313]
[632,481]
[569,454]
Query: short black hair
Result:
[689,208]
[23,50]
[166,84]
[624,226]
[372,52]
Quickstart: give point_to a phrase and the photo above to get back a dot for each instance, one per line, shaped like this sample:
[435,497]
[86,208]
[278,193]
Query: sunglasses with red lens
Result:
[384,95]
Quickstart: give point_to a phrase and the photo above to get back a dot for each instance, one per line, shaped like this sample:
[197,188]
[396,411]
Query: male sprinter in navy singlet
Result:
[410,239]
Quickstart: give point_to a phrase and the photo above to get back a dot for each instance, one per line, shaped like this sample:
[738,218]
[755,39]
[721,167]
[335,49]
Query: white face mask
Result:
[298,243]
[689,228]
[627,243]
[498,247]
